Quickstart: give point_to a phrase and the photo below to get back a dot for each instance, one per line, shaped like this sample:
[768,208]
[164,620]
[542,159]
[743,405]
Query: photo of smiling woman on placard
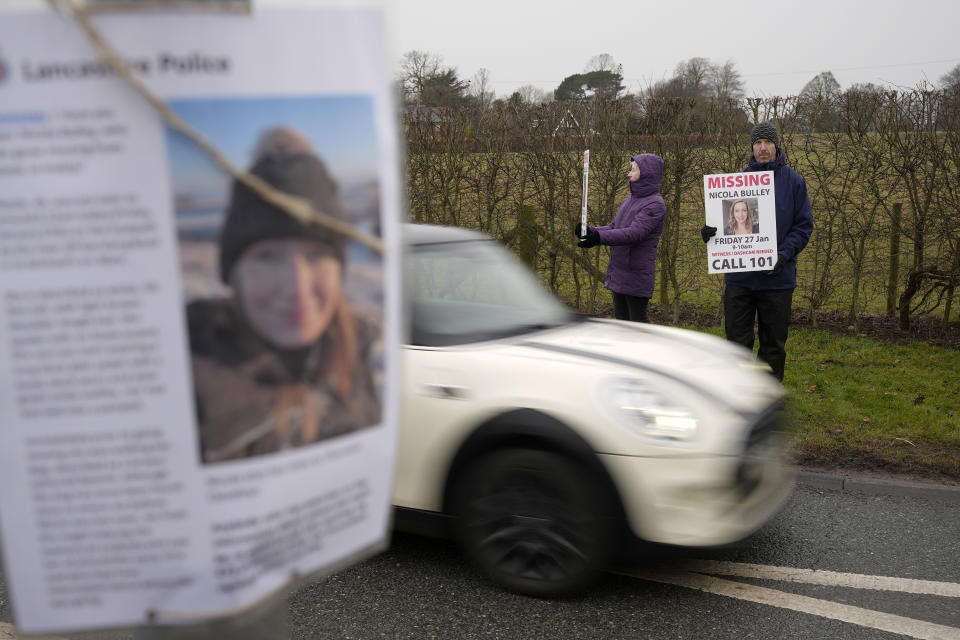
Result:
[280,356]
[740,217]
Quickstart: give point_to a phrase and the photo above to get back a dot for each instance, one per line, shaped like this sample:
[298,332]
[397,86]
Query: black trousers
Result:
[630,308]
[771,309]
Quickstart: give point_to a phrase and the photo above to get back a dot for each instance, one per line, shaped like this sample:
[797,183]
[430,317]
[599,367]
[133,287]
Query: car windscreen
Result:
[463,292]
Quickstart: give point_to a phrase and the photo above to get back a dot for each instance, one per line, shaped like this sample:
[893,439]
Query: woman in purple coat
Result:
[633,236]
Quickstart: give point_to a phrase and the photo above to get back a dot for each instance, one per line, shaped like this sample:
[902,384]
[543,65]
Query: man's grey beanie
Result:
[767,131]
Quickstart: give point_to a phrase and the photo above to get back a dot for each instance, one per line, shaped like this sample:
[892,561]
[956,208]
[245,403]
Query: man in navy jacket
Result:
[767,296]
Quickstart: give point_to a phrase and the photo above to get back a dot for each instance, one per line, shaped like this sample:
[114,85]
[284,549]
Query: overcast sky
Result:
[777,46]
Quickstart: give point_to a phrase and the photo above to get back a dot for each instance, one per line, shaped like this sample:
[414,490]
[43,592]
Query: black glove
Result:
[707,232]
[777,268]
[591,240]
[576,230]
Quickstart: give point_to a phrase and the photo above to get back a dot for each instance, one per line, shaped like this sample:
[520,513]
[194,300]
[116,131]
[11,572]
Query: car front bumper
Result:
[702,501]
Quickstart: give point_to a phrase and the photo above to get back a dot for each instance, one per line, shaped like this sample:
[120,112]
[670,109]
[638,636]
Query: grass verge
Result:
[874,405]
[863,404]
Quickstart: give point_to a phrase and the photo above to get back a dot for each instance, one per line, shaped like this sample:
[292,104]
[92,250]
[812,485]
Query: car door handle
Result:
[445,391]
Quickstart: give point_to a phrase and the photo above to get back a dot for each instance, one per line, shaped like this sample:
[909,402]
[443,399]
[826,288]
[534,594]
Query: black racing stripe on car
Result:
[633,365]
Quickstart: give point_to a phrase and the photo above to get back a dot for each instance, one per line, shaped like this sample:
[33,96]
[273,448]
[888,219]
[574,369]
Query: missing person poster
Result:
[197,385]
[743,209]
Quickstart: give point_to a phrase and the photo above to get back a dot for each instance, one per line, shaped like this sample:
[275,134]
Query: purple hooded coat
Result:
[635,232]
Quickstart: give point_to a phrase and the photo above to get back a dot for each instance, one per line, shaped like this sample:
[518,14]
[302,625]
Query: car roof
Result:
[421,234]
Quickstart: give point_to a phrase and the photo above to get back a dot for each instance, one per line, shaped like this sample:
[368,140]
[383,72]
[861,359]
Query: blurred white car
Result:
[545,441]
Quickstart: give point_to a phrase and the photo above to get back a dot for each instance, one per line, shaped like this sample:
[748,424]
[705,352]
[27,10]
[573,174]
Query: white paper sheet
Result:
[111,225]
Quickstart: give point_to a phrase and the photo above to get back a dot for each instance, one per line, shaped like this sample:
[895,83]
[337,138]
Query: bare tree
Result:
[482,92]
[416,68]
[832,183]
[949,196]
[532,95]
[602,62]
[817,104]
[823,84]
[863,88]
[701,80]
[695,72]
[726,81]
[490,170]
[951,79]
[553,167]
[862,153]
[916,152]
[691,78]
[775,109]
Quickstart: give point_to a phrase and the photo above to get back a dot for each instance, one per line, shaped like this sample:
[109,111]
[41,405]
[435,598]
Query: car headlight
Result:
[646,410]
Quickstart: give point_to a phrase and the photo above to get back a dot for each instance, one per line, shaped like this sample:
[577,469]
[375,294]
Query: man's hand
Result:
[777,268]
[592,238]
[577,230]
[707,232]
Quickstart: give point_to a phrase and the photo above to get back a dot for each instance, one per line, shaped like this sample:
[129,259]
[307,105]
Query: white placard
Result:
[152,466]
[742,207]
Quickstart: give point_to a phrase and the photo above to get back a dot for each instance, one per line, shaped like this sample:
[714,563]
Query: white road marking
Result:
[824,608]
[827,578]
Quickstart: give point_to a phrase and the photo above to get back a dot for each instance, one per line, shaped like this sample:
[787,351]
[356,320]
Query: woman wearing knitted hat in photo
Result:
[284,362]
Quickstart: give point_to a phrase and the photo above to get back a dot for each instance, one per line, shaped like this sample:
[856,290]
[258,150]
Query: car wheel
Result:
[532,521]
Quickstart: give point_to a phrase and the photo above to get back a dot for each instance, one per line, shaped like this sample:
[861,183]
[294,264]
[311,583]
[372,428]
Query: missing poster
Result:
[196,385]
[742,207]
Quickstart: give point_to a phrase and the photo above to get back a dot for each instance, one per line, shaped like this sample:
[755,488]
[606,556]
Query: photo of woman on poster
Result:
[741,218]
[283,361]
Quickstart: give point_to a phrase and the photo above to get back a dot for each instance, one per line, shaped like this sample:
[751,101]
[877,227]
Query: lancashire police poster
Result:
[743,209]
[197,387]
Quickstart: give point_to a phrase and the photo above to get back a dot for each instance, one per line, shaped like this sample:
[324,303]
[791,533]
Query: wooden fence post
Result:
[894,273]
